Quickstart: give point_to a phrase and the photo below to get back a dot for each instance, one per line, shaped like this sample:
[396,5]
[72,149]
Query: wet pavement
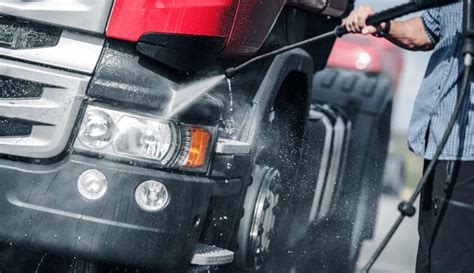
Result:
[400,254]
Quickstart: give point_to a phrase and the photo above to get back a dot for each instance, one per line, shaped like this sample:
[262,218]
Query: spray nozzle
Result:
[230,72]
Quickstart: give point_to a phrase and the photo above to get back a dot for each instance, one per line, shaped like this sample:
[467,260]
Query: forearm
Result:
[409,34]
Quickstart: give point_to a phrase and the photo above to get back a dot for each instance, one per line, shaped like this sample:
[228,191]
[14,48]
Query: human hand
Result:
[356,21]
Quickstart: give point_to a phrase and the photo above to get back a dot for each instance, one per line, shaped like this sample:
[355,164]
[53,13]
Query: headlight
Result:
[138,137]
[98,129]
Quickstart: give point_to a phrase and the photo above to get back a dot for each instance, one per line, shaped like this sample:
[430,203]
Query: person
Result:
[446,219]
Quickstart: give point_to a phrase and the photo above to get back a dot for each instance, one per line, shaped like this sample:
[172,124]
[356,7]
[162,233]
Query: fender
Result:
[296,60]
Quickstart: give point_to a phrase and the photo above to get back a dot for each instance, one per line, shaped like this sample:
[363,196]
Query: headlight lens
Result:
[97,130]
[145,138]
[130,136]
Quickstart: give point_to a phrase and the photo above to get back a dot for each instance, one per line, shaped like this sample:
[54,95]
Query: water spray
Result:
[187,95]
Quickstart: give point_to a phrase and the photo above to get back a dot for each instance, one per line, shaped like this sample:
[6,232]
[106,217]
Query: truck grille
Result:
[18,34]
[38,108]
[49,45]
[13,128]
[11,88]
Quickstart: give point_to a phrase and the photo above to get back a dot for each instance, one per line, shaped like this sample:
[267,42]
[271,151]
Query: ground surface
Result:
[400,255]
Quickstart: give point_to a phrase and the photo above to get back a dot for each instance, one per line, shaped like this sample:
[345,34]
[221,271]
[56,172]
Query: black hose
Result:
[407,208]
[232,71]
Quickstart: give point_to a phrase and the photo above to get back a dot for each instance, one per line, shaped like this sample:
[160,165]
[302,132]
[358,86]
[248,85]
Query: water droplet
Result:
[231,96]
[230,127]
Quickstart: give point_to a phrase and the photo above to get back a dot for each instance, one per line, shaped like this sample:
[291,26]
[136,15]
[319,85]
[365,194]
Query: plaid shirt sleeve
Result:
[431,22]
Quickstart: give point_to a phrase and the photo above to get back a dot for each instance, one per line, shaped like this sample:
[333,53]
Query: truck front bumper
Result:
[40,208]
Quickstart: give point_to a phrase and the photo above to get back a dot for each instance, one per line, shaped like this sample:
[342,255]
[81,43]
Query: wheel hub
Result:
[264,216]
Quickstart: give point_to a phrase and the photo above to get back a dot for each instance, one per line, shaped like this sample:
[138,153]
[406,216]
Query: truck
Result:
[270,171]
[369,59]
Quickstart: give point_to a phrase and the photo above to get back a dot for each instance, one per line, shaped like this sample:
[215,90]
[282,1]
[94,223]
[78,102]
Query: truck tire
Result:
[279,148]
[366,100]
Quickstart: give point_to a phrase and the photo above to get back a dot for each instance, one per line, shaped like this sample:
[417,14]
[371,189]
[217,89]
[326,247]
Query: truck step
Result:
[211,255]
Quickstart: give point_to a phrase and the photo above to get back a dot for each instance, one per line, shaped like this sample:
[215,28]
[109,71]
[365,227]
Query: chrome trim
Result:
[211,255]
[74,51]
[325,161]
[88,15]
[334,168]
[231,146]
[52,115]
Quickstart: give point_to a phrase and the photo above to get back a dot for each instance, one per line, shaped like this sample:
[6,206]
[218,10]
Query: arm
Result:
[409,34]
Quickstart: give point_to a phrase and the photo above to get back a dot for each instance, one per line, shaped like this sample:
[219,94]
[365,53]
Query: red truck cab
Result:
[367,54]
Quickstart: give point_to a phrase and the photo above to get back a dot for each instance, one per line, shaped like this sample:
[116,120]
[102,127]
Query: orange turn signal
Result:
[199,145]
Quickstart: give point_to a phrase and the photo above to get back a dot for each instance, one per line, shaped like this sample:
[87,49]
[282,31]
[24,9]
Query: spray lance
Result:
[187,95]
[406,208]
[376,19]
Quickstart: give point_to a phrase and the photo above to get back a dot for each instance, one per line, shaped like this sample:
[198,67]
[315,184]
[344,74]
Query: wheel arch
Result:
[293,68]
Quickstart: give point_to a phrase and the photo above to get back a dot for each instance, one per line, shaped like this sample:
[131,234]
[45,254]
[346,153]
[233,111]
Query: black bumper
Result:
[41,209]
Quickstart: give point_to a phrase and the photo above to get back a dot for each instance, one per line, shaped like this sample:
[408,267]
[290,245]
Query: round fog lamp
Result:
[92,185]
[97,130]
[152,196]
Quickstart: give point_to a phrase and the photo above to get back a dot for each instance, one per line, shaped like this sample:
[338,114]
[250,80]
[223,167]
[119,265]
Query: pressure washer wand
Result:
[340,31]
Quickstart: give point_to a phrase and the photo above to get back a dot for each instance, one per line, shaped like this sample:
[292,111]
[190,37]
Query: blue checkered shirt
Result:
[437,97]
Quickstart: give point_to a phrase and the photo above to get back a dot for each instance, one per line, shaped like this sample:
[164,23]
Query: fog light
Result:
[152,196]
[92,185]
[97,130]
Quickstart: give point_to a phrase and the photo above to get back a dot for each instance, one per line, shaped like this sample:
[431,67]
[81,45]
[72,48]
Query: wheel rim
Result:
[264,220]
